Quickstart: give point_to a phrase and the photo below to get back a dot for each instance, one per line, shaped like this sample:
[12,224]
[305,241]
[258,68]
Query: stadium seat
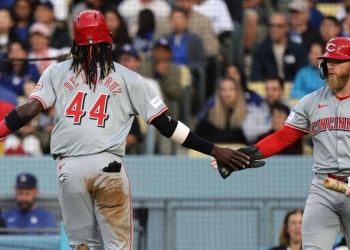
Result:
[328,9]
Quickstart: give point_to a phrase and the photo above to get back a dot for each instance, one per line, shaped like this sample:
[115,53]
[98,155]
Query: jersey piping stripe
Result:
[155,116]
[291,126]
[131,209]
[39,99]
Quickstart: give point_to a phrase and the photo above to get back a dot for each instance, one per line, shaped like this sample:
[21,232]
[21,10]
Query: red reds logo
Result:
[331,47]
[38,86]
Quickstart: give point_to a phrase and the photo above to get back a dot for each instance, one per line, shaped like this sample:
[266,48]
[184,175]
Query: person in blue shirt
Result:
[27,215]
[16,73]
[308,79]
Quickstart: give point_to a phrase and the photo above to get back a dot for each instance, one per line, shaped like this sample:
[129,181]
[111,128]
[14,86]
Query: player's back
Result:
[88,120]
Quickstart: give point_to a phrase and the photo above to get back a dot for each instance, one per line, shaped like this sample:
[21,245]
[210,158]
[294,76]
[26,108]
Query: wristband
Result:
[13,121]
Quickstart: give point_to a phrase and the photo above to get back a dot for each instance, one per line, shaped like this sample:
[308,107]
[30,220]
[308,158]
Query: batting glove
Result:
[347,192]
[252,152]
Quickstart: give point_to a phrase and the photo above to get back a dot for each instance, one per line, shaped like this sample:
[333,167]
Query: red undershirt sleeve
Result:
[278,141]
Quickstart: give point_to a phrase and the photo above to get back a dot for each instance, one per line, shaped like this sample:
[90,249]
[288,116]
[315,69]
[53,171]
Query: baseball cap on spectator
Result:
[129,49]
[162,42]
[40,28]
[47,3]
[298,5]
[25,180]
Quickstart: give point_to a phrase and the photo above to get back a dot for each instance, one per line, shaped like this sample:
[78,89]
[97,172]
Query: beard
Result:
[25,206]
[337,82]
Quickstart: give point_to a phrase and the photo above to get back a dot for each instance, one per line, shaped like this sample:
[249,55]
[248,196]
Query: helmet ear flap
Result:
[322,68]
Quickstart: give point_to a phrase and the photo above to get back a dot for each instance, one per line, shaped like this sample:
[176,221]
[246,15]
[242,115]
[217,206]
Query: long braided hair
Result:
[87,58]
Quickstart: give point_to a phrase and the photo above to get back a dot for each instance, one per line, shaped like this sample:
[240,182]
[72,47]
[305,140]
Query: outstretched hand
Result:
[252,152]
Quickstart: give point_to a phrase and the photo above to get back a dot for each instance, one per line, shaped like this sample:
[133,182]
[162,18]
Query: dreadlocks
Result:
[88,57]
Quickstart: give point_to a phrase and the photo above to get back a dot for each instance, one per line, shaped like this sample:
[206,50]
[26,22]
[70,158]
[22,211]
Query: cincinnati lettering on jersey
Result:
[109,83]
[330,123]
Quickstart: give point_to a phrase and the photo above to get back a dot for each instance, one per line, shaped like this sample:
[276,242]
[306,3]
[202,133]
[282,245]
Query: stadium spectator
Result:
[143,41]
[27,215]
[236,72]
[316,16]
[341,9]
[274,92]
[39,40]
[59,33]
[164,71]
[300,30]
[330,28]
[129,57]
[6,32]
[346,23]
[23,18]
[197,24]
[224,120]
[279,114]
[129,9]
[217,12]
[236,9]
[251,30]
[290,234]
[17,72]
[275,6]
[60,9]
[308,78]
[277,55]
[119,30]
[254,23]
[257,108]
[258,112]
[187,48]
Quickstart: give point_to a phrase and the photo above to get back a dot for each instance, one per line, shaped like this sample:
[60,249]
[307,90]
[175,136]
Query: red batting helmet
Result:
[337,48]
[90,27]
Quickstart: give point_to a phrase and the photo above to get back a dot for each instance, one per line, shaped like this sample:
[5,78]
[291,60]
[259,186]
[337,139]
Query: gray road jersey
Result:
[328,120]
[87,121]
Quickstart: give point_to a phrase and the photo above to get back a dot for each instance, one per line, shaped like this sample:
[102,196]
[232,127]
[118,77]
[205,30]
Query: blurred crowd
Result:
[200,56]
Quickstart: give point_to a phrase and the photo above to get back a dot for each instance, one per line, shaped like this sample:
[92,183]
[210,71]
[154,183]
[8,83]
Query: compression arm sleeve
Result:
[181,134]
[278,141]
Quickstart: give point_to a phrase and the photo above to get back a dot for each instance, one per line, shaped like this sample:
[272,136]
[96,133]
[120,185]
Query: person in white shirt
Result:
[130,9]
[217,12]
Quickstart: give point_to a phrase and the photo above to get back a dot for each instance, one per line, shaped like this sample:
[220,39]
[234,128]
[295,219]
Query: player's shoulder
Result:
[318,94]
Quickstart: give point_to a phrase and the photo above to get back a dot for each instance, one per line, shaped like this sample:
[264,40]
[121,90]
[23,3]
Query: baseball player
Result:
[95,103]
[326,114]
